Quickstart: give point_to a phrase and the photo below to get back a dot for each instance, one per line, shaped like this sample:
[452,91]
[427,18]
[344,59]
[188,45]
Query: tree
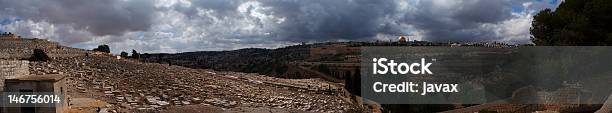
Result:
[102,48]
[574,23]
[39,55]
[135,54]
[124,54]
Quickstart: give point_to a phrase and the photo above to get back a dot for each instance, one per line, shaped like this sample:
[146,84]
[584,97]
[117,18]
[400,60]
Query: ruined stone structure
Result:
[568,98]
[15,77]
[11,69]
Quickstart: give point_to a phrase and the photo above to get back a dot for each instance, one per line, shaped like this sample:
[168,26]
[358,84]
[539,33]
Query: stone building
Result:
[50,84]
[15,77]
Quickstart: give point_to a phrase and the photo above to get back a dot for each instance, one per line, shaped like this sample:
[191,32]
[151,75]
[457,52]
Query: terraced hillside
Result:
[97,80]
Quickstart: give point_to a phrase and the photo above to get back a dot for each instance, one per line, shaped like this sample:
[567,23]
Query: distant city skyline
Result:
[171,26]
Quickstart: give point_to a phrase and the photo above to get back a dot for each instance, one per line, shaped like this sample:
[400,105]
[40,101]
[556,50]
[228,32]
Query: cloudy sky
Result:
[203,25]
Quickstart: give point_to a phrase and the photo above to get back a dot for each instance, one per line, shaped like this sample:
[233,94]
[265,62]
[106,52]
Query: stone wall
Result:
[15,49]
[607,106]
[12,69]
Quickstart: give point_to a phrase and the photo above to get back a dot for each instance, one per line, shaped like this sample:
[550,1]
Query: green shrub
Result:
[123,54]
[102,48]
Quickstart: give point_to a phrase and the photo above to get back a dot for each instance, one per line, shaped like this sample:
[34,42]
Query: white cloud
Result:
[514,30]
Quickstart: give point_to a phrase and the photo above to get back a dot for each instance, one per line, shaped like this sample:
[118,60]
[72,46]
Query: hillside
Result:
[250,60]
[125,85]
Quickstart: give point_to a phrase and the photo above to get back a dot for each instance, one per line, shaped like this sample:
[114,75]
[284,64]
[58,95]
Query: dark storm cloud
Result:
[100,17]
[183,25]
[321,20]
[333,19]
[317,20]
[460,21]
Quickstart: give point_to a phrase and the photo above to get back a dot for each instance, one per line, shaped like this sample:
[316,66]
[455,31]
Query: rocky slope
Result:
[125,85]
